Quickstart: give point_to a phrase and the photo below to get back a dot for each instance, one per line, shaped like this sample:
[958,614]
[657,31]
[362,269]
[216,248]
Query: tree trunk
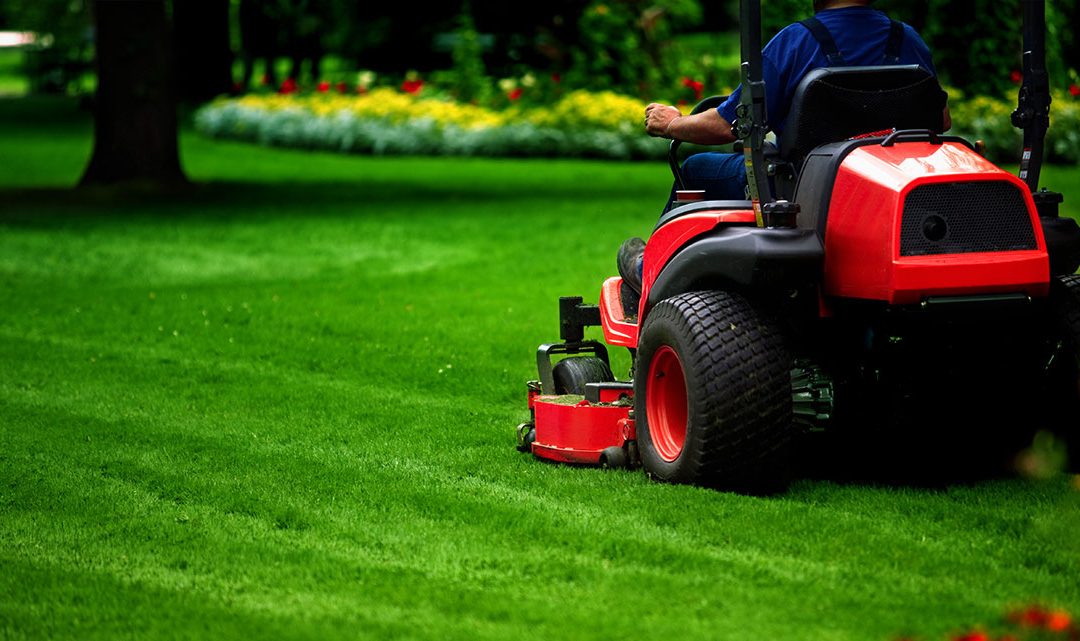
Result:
[135,124]
[203,53]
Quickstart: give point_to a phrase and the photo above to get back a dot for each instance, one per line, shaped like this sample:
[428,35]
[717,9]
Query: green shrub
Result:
[470,81]
[988,119]
[623,46]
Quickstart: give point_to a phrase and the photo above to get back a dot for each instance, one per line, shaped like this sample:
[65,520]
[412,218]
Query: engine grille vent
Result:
[964,218]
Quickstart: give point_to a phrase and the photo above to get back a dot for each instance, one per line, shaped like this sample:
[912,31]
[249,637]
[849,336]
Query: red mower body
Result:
[895,226]
[866,214]
[893,280]
[579,432]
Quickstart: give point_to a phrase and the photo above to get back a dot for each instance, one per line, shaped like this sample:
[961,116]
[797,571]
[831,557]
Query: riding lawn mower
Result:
[879,273]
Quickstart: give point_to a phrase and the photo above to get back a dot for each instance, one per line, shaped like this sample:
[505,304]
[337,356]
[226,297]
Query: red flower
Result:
[1036,617]
[289,86]
[1033,616]
[1074,90]
[556,78]
[973,636]
[342,87]
[698,87]
[1058,621]
[514,94]
[1016,76]
[360,89]
[412,86]
[323,87]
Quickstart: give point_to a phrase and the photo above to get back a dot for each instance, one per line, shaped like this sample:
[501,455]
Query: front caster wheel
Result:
[713,393]
[572,374]
[613,457]
[526,434]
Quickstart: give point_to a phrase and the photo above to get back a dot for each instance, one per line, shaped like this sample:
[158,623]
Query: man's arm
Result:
[705,128]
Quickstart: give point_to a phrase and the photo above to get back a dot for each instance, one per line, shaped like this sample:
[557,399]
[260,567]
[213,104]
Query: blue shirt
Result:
[860,33]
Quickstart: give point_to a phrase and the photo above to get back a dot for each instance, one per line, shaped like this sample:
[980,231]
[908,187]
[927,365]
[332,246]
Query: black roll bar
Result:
[751,122]
[1033,102]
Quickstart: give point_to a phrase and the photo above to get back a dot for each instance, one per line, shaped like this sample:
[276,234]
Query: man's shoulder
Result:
[852,16]
[791,37]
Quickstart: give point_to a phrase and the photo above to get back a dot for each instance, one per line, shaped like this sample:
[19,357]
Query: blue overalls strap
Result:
[825,41]
[896,41]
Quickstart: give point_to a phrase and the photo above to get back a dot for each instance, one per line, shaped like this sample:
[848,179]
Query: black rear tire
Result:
[725,419]
[1065,366]
[572,374]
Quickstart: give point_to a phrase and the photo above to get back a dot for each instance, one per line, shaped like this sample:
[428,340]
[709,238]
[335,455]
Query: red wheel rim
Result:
[666,404]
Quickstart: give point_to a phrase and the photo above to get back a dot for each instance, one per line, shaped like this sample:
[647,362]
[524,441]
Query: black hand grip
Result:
[911,134]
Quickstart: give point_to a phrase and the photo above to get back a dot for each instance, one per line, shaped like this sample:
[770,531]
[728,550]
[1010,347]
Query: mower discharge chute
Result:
[880,272]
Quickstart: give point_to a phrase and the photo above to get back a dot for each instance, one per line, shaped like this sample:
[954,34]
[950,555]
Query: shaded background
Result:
[134,61]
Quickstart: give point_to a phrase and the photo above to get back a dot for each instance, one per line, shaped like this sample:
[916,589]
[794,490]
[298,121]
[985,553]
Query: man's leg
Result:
[721,175]
[629,262]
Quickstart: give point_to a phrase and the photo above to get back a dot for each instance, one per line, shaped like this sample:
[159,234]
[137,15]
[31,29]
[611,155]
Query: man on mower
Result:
[842,33]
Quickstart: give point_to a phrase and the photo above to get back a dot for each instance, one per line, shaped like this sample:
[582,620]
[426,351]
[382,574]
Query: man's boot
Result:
[629,260]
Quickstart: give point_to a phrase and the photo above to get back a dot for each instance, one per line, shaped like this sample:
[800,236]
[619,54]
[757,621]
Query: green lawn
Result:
[282,406]
[13,80]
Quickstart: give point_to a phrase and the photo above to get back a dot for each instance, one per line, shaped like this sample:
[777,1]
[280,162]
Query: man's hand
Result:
[658,119]
[705,128]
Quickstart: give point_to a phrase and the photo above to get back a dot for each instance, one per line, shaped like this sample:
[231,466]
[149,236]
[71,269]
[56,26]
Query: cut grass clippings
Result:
[282,405]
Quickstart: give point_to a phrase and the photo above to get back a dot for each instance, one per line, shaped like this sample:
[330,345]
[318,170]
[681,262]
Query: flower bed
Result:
[581,123]
[386,121]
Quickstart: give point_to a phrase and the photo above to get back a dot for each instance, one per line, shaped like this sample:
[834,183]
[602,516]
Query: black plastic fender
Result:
[742,257]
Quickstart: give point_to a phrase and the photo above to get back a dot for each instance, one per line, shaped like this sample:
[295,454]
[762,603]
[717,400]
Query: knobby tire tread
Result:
[1067,384]
[742,404]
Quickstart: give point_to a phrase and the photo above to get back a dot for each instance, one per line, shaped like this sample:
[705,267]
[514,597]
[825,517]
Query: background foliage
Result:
[482,53]
[636,47]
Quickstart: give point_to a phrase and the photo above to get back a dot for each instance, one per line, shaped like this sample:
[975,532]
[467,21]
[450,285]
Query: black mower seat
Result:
[703,205]
[832,104]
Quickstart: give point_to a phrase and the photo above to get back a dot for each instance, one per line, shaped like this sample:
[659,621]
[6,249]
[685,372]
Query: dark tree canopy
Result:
[203,52]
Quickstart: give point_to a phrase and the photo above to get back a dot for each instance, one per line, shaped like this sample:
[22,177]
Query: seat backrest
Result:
[832,104]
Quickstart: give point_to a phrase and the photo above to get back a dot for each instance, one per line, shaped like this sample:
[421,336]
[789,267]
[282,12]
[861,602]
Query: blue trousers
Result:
[721,175]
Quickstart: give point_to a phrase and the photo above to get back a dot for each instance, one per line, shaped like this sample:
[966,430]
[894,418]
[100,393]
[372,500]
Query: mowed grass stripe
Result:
[671,555]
